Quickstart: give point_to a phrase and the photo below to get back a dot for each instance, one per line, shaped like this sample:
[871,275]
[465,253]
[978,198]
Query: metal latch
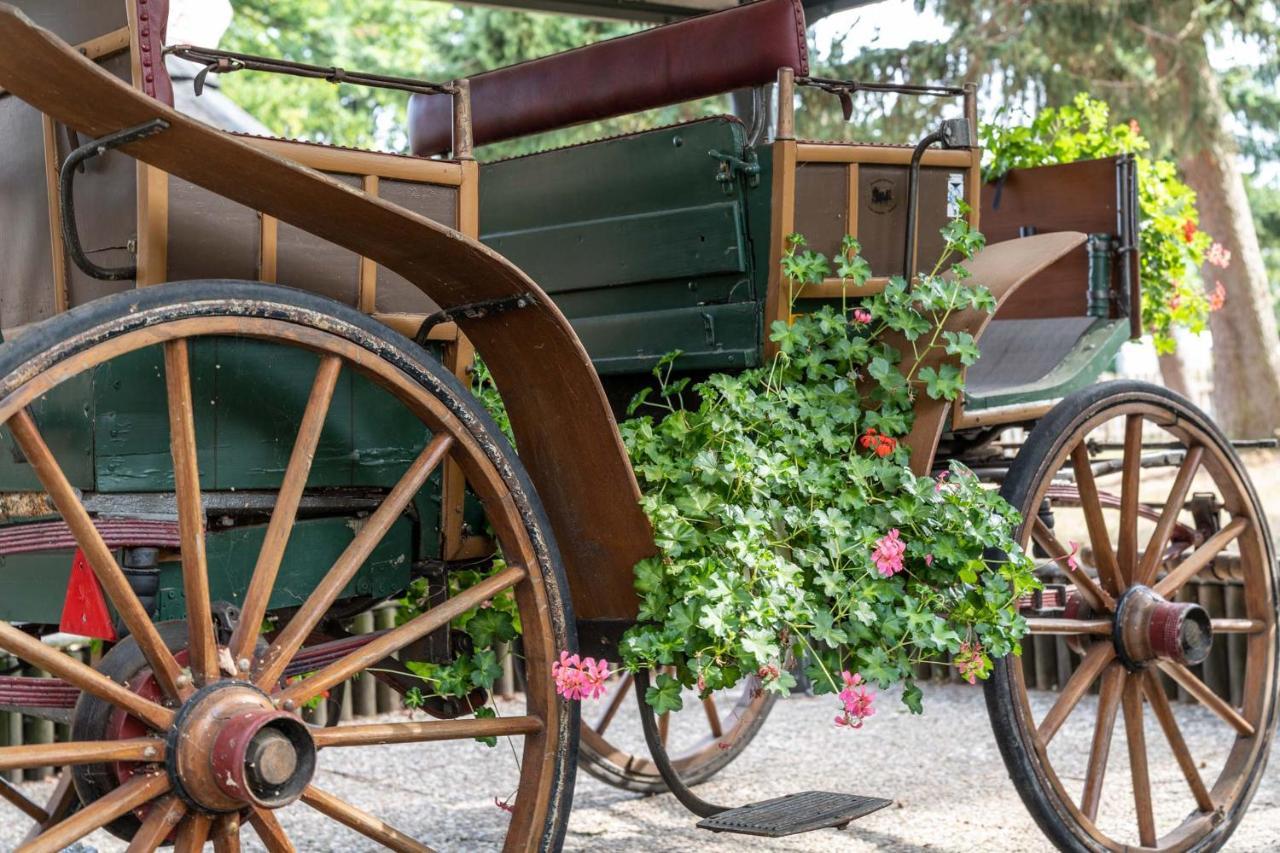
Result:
[731,166]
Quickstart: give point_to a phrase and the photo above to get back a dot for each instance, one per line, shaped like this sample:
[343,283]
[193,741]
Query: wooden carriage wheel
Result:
[704,736]
[1135,634]
[203,739]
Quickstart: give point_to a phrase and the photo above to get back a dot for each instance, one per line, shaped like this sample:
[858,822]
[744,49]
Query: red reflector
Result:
[84,611]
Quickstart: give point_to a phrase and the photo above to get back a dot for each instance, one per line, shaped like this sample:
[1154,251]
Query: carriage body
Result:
[573,271]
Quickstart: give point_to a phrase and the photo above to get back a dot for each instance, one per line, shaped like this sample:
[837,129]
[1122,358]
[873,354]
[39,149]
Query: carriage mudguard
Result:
[1002,268]
[564,431]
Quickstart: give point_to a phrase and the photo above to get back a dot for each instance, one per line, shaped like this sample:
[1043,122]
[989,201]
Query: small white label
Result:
[955,194]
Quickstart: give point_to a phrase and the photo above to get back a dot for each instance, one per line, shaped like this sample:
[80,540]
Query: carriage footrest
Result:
[794,813]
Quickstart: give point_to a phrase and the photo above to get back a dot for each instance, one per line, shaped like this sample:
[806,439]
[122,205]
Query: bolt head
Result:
[243,664]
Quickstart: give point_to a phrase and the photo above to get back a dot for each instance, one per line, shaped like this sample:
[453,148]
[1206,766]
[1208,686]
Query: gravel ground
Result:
[942,770]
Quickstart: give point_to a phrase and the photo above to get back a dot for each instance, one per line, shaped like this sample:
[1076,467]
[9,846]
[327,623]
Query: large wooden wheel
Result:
[702,738]
[199,738]
[1158,498]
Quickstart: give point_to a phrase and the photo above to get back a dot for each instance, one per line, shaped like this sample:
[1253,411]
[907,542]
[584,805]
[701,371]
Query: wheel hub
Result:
[230,748]
[1148,627]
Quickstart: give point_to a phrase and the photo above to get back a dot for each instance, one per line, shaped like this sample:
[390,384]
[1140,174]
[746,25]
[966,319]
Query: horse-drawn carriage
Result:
[214,475]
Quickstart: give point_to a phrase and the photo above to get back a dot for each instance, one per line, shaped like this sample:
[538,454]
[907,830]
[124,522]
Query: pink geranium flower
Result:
[888,553]
[1218,298]
[1219,256]
[971,661]
[861,315]
[579,678]
[856,700]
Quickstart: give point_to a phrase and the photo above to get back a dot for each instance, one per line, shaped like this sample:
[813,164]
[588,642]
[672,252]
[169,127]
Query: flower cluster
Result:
[888,553]
[577,678]
[856,700]
[972,662]
[880,445]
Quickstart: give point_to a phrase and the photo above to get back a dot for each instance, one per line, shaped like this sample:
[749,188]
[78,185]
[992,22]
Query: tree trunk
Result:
[1173,371]
[1246,344]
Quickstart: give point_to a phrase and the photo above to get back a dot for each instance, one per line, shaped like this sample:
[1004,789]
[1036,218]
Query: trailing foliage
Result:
[1171,246]
[790,526]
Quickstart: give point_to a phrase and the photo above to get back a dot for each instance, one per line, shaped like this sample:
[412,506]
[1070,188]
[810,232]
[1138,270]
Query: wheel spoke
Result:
[370,734]
[713,716]
[614,704]
[60,804]
[1098,656]
[339,671]
[161,821]
[361,821]
[19,801]
[276,538]
[1044,625]
[286,645]
[86,678]
[1134,734]
[202,645]
[1205,696]
[1238,626]
[1104,556]
[226,834]
[1113,680]
[270,831]
[193,833]
[80,752]
[1097,597]
[99,556]
[1164,714]
[1153,555]
[133,793]
[1130,483]
[1168,585]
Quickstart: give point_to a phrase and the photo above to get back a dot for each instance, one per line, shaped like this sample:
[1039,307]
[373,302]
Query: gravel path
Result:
[950,789]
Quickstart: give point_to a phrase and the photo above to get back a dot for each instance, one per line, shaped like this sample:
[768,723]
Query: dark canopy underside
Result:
[662,10]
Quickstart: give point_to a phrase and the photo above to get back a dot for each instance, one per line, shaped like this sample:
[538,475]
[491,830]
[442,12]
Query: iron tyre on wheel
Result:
[1082,474]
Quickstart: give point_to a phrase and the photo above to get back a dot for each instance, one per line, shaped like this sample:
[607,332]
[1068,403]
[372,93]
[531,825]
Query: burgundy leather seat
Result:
[696,58]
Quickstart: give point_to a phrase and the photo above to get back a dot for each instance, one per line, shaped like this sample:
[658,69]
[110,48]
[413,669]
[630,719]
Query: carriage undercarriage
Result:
[234,469]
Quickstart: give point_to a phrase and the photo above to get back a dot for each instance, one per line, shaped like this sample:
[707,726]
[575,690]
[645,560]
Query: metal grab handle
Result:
[954,133]
[658,752]
[66,180]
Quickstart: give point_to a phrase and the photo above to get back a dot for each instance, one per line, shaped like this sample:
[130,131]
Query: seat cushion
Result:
[695,58]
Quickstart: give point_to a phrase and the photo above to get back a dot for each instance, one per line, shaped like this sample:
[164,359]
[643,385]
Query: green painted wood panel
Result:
[638,242]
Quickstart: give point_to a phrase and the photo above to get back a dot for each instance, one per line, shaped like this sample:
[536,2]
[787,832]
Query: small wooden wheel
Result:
[703,737]
[1161,499]
[197,734]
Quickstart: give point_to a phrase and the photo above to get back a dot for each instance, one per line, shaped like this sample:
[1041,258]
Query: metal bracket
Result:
[731,166]
[66,180]
[472,311]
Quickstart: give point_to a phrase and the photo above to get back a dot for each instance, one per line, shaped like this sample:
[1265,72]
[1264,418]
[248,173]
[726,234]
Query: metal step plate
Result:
[794,813]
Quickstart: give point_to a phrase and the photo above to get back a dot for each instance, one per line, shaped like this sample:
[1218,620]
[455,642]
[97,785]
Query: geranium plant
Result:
[791,529]
[1172,247]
